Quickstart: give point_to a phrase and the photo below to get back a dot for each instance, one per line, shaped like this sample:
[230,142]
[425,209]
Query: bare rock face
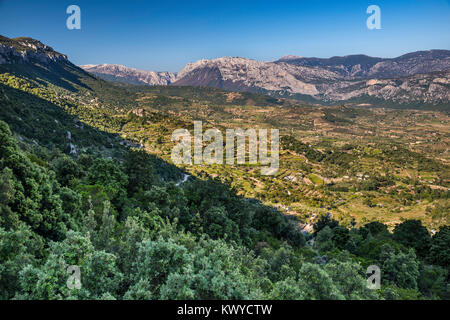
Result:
[24,50]
[240,73]
[362,66]
[115,72]
[418,77]
[429,88]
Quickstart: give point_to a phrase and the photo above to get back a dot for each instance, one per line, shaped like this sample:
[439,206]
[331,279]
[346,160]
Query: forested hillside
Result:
[135,237]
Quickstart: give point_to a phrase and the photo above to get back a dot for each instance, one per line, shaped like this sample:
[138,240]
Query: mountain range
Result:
[119,73]
[417,79]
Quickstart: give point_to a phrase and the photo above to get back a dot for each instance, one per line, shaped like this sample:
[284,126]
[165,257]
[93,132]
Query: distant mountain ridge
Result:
[119,73]
[241,74]
[417,79]
[362,66]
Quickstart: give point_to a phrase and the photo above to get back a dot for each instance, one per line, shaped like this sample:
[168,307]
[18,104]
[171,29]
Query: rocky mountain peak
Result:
[25,49]
[120,73]
[417,77]
[290,57]
[236,73]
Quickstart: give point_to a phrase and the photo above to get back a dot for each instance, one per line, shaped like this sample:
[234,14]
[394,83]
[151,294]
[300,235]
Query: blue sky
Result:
[165,35]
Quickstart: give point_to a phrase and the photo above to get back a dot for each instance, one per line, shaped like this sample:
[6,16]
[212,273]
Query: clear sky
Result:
[165,35]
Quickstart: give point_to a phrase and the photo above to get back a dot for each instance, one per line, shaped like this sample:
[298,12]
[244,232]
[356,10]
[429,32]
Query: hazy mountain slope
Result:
[115,72]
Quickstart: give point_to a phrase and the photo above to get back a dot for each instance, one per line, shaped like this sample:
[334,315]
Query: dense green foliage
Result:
[136,237]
